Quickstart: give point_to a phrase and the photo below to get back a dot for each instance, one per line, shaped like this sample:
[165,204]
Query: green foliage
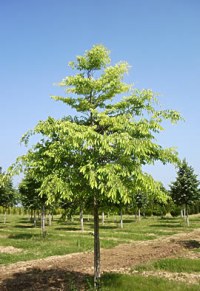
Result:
[100,151]
[185,190]
[29,194]
[8,195]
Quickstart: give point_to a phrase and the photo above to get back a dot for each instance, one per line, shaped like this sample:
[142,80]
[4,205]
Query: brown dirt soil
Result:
[66,272]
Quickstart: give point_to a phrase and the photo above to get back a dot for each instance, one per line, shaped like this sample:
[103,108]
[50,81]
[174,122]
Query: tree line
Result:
[183,198]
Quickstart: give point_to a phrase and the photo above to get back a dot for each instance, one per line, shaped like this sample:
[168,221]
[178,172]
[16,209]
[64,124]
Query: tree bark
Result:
[139,214]
[187,216]
[35,219]
[96,246]
[184,213]
[50,219]
[103,218]
[81,219]
[43,221]
[121,219]
[5,214]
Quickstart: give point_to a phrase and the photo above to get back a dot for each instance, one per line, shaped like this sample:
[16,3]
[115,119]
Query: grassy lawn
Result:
[172,265]
[113,282]
[66,237]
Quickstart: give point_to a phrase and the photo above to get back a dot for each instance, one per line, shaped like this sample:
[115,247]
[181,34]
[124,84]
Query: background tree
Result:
[101,150]
[8,195]
[185,190]
[30,198]
[140,200]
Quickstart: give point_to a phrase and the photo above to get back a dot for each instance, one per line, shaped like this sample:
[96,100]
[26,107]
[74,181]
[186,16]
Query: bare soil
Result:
[69,271]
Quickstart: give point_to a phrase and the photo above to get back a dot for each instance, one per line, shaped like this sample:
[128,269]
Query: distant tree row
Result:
[183,198]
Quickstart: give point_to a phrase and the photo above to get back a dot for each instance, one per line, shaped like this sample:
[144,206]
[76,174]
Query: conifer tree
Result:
[185,190]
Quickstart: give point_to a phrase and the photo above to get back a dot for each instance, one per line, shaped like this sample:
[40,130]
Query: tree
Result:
[185,190]
[8,195]
[140,201]
[30,198]
[101,150]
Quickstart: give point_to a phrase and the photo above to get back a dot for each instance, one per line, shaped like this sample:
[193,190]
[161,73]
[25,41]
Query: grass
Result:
[172,265]
[119,282]
[65,237]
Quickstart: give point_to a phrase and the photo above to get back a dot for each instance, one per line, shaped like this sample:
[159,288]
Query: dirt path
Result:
[52,273]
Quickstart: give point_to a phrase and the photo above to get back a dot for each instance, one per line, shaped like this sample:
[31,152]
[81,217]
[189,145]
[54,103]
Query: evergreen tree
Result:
[185,190]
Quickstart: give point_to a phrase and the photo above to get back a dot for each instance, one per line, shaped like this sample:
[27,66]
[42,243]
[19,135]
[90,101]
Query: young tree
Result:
[30,198]
[185,190]
[8,195]
[140,201]
[102,149]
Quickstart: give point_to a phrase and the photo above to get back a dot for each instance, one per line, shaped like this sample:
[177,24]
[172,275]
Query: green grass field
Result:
[65,237]
[112,282]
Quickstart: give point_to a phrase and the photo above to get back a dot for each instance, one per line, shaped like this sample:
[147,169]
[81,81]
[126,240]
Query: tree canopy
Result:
[8,195]
[185,189]
[100,151]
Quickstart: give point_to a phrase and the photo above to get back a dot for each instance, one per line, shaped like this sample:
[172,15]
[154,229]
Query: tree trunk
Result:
[43,221]
[121,219]
[103,218]
[81,219]
[50,219]
[5,216]
[34,218]
[187,216]
[96,246]
[182,213]
[139,214]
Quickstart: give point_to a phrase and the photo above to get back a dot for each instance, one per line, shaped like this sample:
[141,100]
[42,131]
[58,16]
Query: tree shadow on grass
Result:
[130,220]
[67,228]
[108,227]
[195,219]
[190,244]
[169,220]
[35,279]
[24,236]
[24,226]
[61,222]
[24,220]
[168,225]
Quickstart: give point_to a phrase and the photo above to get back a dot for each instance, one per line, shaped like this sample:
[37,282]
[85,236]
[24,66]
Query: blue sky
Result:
[159,39]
